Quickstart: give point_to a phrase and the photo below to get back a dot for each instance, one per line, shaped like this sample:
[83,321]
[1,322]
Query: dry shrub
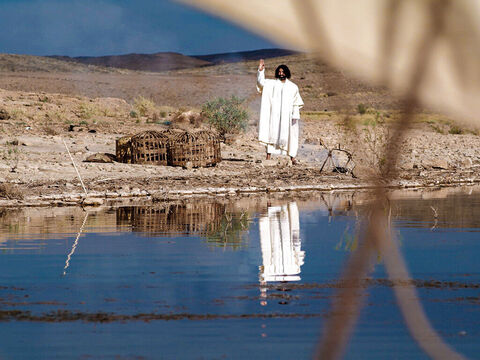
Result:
[187,118]
[48,130]
[10,192]
[11,154]
[144,106]
[86,111]
[17,114]
[367,142]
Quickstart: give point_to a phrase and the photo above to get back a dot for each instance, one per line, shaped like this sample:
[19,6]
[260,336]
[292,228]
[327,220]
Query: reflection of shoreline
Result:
[172,219]
[280,245]
[438,208]
[212,220]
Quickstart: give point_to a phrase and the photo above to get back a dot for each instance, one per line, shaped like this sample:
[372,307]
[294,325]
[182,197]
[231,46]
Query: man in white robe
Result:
[279,112]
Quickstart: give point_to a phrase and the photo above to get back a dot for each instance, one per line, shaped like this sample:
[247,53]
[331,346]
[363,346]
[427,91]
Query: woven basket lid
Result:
[150,134]
[186,137]
[171,133]
[206,135]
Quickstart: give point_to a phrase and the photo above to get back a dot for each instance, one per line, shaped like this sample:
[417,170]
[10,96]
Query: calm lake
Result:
[230,279]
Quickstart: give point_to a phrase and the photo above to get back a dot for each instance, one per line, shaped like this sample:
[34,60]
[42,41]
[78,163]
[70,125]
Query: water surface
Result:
[229,279]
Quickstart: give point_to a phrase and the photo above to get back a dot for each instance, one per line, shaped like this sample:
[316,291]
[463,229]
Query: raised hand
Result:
[261,65]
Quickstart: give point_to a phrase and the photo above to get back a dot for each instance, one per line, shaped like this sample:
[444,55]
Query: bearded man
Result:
[279,112]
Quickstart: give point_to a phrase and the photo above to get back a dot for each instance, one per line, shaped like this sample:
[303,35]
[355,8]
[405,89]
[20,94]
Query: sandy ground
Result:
[322,87]
[35,168]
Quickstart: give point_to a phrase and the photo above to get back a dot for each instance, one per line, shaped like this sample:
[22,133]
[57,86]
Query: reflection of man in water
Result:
[281,245]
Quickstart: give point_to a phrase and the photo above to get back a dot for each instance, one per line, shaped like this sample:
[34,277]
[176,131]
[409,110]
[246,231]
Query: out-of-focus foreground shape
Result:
[376,41]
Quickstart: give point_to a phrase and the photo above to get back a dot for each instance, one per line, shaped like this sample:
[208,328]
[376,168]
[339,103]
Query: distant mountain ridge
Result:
[244,55]
[158,62]
[167,61]
[163,61]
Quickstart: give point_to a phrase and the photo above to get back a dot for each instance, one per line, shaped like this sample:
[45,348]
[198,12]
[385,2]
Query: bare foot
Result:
[294,161]
[268,156]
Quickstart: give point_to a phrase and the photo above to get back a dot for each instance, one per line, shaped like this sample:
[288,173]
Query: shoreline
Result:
[36,169]
[99,198]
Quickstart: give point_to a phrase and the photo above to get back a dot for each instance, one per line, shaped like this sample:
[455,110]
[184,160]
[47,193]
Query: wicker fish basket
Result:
[194,149]
[123,149]
[149,147]
[212,149]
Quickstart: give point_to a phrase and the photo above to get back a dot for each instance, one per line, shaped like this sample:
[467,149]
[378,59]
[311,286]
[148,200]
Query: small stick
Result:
[75,166]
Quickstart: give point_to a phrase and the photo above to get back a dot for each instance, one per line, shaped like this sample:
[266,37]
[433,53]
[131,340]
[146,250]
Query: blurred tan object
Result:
[377,41]
[427,52]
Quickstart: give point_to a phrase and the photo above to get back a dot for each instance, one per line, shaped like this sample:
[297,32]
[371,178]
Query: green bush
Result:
[226,115]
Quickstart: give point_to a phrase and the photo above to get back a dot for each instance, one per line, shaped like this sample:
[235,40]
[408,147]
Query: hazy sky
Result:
[110,27]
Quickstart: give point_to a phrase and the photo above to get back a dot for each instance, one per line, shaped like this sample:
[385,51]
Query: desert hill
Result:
[29,63]
[168,61]
[322,87]
[239,56]
[189,82]
[158,62]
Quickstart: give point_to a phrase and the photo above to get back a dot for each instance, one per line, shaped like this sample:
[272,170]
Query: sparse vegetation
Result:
[49,130]
[361,108]
[438,129]
[227,116]
[11,154]
[455,130]
[190,117]
[17,114]
[86,111]
[56,115]
[376,135]
[144,106]
[10,192]
[105,111]
[348,123]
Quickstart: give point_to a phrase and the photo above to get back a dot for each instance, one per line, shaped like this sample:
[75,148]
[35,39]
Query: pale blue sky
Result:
[110,27]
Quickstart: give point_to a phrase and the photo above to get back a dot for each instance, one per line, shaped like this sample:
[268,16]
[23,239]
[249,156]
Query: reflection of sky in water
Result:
[132,272]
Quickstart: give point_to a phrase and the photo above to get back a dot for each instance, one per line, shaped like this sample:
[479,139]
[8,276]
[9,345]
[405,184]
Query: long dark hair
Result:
[286,70]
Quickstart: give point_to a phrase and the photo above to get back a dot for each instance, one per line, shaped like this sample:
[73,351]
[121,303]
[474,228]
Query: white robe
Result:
[281,102]
[281,245]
